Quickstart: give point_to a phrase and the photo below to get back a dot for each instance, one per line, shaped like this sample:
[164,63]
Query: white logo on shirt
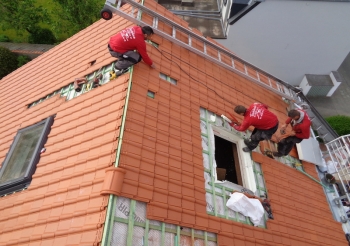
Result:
[128,34]
[257,112]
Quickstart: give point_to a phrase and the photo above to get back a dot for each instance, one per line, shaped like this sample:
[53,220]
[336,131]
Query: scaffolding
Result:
[339,154]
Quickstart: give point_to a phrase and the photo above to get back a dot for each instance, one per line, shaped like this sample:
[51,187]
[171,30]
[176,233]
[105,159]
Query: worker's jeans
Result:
[260,135]
[286,144]
[125,60]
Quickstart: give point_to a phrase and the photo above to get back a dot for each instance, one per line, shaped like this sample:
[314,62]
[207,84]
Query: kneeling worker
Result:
[257,115]
[123,46]
[300,123]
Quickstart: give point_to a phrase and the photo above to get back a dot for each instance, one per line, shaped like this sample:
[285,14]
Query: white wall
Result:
[292,38]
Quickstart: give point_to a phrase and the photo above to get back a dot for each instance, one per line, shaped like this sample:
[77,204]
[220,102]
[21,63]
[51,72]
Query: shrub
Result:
[8,62]
[340,124]
[42,36]
[22,60]
[4,38]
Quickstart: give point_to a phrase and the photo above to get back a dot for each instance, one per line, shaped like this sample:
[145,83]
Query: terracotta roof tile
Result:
[161,149]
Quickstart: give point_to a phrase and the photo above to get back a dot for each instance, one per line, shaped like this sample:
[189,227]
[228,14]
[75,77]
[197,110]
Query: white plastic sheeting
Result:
[249,207]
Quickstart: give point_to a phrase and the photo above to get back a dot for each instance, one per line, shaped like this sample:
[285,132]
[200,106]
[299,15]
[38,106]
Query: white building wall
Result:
[335,87]
[292,38]
[305,85]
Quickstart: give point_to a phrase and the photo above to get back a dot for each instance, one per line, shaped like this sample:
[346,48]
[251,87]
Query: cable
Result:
[161,52]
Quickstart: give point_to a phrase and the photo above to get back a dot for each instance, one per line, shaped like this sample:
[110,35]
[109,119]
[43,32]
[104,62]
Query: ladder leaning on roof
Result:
[198,44]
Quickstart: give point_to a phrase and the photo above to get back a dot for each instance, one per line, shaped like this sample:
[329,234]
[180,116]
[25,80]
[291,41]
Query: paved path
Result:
[31,50]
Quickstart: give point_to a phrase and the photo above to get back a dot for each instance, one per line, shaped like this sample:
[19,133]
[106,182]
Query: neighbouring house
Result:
[145,158]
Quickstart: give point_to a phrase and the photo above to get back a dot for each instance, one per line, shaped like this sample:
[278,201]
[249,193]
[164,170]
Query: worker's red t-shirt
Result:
[302,130]
[130,39]
[258,116]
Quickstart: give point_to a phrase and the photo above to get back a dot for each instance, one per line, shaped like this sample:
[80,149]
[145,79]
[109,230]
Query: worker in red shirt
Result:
[129,47]
[257,115]
[300,123]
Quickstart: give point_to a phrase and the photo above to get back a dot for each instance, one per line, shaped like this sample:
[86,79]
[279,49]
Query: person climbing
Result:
[129,47]
[300,123]
[264,121]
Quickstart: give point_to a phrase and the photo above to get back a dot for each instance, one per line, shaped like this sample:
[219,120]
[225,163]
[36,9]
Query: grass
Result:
[50,6]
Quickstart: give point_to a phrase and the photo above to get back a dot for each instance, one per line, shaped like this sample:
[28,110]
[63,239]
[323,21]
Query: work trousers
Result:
[125,60]
[286,144]
[260,135]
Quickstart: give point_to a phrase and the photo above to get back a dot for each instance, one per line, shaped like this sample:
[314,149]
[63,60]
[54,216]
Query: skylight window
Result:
[20,162]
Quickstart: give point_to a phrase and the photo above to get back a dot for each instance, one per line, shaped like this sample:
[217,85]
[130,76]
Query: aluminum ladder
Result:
[199,45]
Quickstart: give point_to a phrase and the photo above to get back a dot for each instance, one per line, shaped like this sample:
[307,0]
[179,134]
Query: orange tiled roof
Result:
[161,149]
[63,203]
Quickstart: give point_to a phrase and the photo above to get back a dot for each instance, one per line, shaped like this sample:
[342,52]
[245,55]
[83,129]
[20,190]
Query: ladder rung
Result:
[269,81]
[155,22]
[233,62]
[174,32]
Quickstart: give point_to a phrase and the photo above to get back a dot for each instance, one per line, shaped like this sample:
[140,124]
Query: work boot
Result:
[246,149]
[120,72]
[247,141]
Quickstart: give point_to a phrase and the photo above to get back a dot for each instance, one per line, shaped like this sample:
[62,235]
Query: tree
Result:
[340,124]
[8,62]
[76,15]
[42,36]
[21,15]
[22,60]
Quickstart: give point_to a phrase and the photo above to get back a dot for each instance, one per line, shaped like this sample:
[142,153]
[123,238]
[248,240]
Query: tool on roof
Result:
[232,121]
[96,80]
[78,84]
[112,75]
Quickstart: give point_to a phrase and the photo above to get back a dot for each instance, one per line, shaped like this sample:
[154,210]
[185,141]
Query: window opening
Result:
[227,161]
[20,162]
[217,134]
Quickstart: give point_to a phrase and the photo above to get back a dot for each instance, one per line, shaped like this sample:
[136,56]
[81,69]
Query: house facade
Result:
[136,161]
